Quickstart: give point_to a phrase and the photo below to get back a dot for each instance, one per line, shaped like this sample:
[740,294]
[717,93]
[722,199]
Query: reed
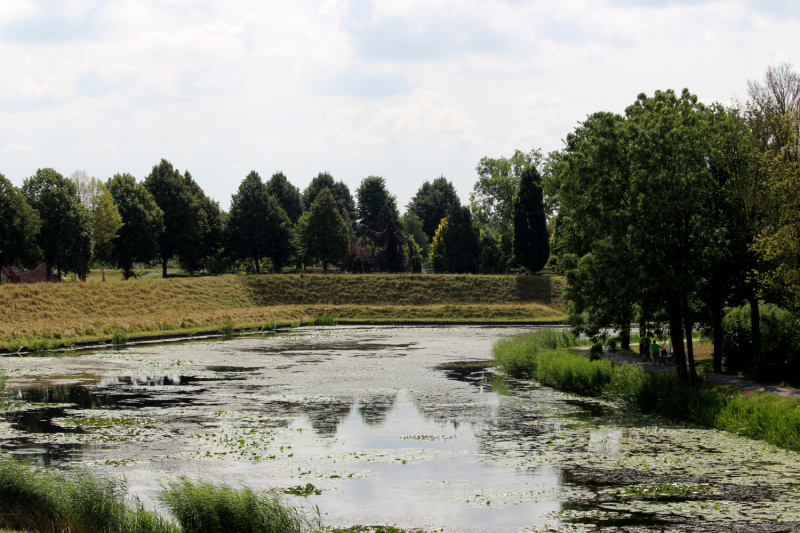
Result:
[205,508]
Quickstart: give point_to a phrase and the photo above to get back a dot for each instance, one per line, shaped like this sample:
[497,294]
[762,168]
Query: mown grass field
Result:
[74,311]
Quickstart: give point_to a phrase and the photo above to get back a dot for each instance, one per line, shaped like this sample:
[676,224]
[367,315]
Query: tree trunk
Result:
[103,270]
[258,265]
[676,334]
[643,346]
[164,268]
[716,324]
[687,318]
[755,330]
[48,272]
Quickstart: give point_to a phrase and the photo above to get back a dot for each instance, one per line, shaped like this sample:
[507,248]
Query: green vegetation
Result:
[119,337]
[47,500]
[227,329]
[321,320]
[537,356]
[674,211]
[42,500]
[206,508]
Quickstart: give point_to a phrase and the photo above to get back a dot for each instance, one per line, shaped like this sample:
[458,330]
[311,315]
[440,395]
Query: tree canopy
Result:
[531,239]
[19,227]
[431,203]
[372,196]
[288,196]
[258,227]
[322,232]
[142,223]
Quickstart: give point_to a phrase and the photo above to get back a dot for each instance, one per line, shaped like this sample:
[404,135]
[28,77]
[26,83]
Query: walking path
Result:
[719,379]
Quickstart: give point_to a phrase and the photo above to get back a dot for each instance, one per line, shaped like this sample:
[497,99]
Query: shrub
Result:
[205,508]
[595,351]
[779,355]
[416,265]
[119,337]
[227,329]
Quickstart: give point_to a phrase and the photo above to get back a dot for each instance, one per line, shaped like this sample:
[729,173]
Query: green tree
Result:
[107,223]
[493,195]
[184,218]
[19,228]
[257,226]
[63,233]
[288,196]
[456,244]
[142,223]
[491,260]
[432,202]
[412,225]
[372,195]
[531,238]
[322,232]
[340,192]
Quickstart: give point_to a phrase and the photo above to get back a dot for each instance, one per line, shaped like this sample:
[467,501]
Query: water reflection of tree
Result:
[325,417]
[374,410]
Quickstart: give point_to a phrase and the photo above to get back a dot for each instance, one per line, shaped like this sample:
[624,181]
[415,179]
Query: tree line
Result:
[676,212]
[76,223]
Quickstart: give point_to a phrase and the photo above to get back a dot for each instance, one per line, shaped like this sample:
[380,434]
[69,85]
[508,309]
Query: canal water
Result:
[410,427]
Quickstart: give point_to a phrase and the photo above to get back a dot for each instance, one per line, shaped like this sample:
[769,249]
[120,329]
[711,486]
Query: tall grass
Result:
[516,356]
[41,500]
[45,500]
[206,508]
[759,416]
[321,320]
[227,329]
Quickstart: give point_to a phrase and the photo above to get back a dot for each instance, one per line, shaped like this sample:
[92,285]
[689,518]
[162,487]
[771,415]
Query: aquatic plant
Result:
[205,508]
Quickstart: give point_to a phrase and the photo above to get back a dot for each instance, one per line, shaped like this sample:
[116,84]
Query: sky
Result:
[404,89]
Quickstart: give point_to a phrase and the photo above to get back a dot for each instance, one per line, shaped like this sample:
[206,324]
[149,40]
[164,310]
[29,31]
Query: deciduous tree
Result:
[288,196]
[323,233]
[372,195]
[431,203]
[258,227]
[19,228]
[142,223]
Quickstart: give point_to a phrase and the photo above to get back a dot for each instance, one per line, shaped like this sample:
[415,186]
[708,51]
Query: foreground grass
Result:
[766,417]
[44,500]
[78,311]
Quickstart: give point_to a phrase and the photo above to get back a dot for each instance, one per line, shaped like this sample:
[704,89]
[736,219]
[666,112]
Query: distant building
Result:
[15,274]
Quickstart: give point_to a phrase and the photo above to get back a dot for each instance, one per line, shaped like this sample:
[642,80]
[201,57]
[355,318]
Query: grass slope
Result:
[70,311]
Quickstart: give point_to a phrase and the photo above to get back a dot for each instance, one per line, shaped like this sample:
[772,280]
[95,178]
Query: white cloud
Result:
[408,89]
[11,148]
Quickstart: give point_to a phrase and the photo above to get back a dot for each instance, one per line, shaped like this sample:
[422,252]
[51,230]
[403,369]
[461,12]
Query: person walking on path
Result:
[654,348]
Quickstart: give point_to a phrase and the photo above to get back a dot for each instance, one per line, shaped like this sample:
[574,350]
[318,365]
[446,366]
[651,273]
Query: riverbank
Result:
[89,311]
[545,357]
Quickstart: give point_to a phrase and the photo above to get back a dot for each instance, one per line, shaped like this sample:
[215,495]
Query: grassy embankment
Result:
[75,311]
[45,500]
[544,357]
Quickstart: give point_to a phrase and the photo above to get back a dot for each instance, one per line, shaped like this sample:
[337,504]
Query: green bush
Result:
[119,337]
[227,329]
[205,508]
[779,356]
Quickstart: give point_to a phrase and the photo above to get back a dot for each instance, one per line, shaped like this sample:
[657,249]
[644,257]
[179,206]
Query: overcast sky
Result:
[405,89]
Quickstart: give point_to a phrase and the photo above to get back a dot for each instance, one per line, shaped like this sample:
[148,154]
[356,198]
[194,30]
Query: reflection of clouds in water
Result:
[604,441]
[151,381]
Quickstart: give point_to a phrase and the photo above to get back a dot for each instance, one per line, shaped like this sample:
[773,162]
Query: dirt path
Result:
[719,379]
